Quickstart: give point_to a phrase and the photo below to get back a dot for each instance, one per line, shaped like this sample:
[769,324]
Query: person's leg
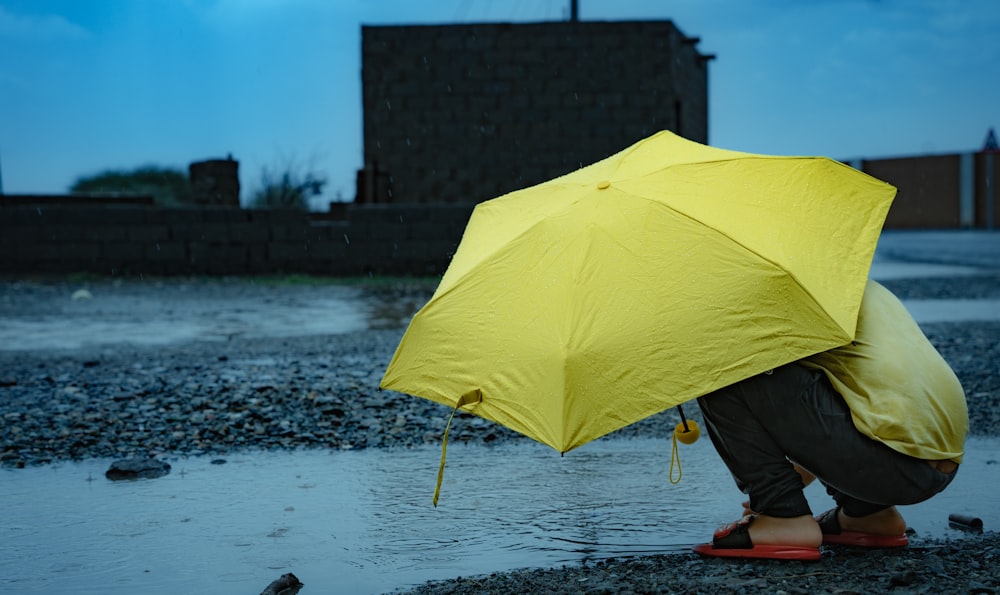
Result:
[864,476]
[796,412]
[759,465]
[749,448]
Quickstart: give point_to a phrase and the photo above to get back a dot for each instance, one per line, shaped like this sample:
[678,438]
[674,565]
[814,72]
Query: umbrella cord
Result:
[675,457]
[688,432]
[468,398]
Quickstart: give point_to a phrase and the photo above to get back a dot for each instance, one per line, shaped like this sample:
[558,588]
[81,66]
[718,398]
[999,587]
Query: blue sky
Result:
[89,85]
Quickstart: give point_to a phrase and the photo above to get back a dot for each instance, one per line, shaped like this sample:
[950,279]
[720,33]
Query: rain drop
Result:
[388,105]
[408,143]
[157,247]
[346,239]
[400,218]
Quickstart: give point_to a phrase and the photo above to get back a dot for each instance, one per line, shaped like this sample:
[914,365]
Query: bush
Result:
[167,186]
[289,190]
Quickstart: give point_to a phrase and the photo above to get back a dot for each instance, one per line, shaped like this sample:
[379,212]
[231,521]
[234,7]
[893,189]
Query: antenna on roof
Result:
[990,146]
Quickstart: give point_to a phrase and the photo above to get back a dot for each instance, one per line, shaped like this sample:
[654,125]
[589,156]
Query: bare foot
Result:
[801,531]
[884,522]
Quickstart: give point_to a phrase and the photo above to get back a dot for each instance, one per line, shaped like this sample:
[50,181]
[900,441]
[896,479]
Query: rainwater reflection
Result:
[362,521]
[154,314]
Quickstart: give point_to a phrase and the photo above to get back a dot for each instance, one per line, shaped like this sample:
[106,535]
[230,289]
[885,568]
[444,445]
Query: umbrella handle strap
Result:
[475,396]
[675,456]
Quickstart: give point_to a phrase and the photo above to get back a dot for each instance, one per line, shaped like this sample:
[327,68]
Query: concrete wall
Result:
[139,239]
[464,113]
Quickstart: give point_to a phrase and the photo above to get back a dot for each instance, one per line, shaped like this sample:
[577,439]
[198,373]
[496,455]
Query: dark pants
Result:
[793,413]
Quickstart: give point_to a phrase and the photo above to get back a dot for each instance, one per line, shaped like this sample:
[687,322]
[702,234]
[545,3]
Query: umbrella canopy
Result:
[589,302]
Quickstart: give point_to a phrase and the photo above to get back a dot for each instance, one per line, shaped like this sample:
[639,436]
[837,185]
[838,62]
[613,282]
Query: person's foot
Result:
[801,531]
[763,537]
[884,522]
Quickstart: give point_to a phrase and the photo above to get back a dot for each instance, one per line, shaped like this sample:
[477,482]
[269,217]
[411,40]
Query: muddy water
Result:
[363,522]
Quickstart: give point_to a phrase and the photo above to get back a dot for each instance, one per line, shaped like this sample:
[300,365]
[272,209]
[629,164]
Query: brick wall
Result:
[139,239]
[109,236]
[464,113]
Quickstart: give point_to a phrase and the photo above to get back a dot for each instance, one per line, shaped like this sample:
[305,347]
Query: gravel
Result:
[213,398]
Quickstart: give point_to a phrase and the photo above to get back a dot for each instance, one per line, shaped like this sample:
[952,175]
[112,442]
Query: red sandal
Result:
[834,535]
[733,541]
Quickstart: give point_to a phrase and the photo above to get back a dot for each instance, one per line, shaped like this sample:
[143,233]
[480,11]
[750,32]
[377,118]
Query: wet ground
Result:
[95,313]
[351,521]
[361,522]
[41,314]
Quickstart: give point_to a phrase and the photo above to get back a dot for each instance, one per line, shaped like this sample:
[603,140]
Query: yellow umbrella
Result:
[586,303]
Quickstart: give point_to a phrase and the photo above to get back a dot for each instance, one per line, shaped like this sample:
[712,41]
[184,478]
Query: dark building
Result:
[464,113]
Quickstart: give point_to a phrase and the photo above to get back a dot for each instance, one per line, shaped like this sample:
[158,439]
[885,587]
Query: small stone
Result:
[137,468]
[903,579]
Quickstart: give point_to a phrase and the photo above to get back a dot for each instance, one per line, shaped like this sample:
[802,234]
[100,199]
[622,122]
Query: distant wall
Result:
[130,240]
[118,235]
[465,113]
[928,190]
[941,191]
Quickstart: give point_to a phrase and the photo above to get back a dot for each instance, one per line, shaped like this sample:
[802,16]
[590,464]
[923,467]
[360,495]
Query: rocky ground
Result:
[321,392]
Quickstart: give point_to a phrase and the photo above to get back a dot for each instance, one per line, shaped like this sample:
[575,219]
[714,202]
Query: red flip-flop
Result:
[733,541]
[834,535]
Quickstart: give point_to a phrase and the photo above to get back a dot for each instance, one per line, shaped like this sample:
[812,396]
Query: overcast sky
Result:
[90,85]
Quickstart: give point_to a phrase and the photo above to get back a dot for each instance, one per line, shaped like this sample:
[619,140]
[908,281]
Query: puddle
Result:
[362,521]
[953,310]
[885,270]
[943,310]
[179,314]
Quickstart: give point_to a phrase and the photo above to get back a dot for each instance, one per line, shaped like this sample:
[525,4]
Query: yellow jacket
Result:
[900,390]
